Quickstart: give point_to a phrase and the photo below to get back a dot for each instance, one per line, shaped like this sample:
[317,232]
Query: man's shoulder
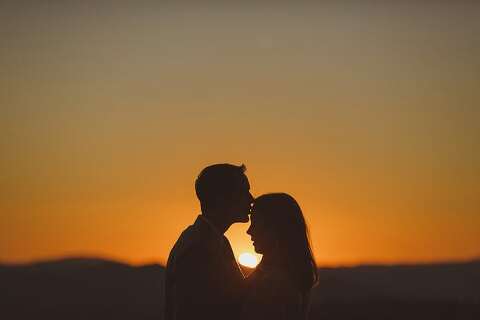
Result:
[194,241]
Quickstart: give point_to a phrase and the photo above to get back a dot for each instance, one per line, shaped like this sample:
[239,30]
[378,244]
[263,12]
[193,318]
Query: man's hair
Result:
[217,181]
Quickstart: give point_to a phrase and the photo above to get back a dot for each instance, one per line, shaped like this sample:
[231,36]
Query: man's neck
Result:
[220,225]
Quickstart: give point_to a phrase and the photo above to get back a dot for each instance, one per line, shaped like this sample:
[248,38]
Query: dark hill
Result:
[81,289]
[101,289]
[430,282]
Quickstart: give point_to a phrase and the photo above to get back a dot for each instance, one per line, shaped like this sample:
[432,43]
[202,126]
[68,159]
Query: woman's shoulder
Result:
[273,284]
[272,295]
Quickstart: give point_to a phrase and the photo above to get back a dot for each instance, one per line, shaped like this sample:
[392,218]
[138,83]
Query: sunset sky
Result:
[368,113]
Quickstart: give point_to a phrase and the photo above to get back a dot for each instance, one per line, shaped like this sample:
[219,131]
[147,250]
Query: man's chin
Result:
[243,219]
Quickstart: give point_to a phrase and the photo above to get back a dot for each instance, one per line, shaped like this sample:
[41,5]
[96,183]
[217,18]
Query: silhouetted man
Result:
[203,279]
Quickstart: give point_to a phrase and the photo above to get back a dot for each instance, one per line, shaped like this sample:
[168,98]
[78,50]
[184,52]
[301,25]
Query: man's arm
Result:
[196,290]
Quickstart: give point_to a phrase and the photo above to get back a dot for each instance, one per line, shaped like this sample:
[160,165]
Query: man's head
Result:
[223,189]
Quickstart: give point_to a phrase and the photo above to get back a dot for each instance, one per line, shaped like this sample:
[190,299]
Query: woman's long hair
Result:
[284,217]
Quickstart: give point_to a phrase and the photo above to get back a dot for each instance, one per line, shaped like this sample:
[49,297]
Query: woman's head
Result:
[278,229]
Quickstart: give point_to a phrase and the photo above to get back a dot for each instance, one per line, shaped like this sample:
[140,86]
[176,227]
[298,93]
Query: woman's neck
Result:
[271,260]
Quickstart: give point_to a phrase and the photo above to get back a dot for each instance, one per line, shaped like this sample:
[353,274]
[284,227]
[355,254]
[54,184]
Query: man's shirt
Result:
[203,279]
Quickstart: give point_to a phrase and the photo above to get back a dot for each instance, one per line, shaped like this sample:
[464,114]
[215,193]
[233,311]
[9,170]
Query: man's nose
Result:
[249,230]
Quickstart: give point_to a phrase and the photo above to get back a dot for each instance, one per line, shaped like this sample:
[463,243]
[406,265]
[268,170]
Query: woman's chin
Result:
[257,250]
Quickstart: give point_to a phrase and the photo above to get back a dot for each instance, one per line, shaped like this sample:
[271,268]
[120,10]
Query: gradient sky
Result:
[368,114]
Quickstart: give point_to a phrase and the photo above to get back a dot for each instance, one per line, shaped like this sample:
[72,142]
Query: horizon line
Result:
[93,257]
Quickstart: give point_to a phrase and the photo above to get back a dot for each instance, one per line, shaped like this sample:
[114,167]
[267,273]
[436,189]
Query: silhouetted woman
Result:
[280,286]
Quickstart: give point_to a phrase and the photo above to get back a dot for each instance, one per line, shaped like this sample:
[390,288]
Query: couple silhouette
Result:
[203,279]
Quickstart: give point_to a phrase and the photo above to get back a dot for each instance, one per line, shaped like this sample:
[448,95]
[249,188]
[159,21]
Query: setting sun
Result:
[248,260]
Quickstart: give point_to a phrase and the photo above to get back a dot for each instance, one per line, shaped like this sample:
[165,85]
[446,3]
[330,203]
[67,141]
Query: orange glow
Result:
[371,123]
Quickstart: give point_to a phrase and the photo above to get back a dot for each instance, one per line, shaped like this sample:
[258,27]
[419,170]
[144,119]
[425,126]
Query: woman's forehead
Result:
[256,215]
